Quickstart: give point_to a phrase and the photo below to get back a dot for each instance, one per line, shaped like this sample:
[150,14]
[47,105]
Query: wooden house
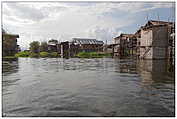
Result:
[108,48]
[88,45]
[154,39]
[125,45]
[52,45]
[10,46]
[67,49]
[64,49]
[70,49]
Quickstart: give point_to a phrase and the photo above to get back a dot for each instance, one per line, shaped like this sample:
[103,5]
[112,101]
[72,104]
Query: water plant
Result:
[54,54]
[34,55]
[22,54]
[92,55]
[44,54]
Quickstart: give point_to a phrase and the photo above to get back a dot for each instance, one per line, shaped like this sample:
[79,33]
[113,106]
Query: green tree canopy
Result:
[34,46]
[44,47]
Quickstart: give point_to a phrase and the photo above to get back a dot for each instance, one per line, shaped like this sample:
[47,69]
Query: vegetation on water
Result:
[54,54]
[44,54]
[47,54]
[22,54]
[93,55]
[37,50]
[9,57]
[36,55]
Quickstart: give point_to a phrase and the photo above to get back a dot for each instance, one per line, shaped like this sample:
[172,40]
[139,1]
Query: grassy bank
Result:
[9,57]
[22,54]
[55,55]
[92,55]
[37,55]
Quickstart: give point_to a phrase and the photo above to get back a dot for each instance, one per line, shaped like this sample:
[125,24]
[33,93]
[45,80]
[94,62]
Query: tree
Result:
[44,47]
[34,47]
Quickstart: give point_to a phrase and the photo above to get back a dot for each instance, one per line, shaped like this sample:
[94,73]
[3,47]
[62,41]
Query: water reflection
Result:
[154,71]
[9,65]
[149,70]
[157,86]
[87,87]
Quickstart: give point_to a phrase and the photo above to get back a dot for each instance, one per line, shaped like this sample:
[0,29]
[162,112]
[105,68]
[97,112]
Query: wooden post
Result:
[61,50]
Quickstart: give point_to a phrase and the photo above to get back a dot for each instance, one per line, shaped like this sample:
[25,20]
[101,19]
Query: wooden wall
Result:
[155,40]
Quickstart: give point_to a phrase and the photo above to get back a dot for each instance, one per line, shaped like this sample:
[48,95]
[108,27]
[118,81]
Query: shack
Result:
[67,49]
[125,45]
[64,49]
[52,45]
[154,39]
[88,45]
[108,48]
[10,46]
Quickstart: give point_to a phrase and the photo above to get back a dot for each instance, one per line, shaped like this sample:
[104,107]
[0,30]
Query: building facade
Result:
[10,46]
[154,40]
[53,45]
[88,45]
[68,49]
[125,45]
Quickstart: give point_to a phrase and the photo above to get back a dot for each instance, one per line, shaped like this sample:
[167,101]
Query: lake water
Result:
[87,87]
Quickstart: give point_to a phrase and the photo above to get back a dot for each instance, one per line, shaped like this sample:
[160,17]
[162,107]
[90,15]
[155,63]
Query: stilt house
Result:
[10,46]
[154,39]
[88,45]
[125,45]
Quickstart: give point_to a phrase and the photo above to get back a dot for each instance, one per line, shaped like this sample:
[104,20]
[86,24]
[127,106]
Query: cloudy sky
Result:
[64,20]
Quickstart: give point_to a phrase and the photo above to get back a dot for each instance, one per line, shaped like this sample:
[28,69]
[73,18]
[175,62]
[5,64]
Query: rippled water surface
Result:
[87,87]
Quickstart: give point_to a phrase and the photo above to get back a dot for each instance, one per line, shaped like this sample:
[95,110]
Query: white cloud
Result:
[31,12]
[43,20]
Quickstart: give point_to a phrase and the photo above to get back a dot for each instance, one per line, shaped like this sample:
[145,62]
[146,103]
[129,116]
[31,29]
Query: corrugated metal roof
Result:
[86,41]
[154,22]
[125,35]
